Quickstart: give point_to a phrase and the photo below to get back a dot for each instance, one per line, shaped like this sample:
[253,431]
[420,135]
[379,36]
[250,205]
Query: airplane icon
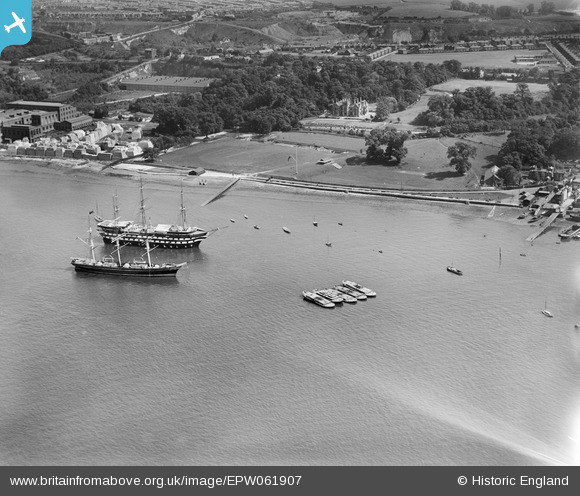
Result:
[17,22]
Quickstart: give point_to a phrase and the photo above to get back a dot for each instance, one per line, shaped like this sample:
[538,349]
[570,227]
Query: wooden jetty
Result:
[547,224]
[216,196]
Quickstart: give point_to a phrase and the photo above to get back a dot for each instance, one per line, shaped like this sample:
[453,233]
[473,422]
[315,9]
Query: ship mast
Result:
[90,242]
[118,249]
[115,208]
[142,206]
[183,214]
[148,250]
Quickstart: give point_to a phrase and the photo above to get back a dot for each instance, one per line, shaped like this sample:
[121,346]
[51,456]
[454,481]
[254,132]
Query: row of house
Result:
[104,143]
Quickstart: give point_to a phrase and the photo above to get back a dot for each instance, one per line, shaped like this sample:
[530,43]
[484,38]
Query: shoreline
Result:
[217,183]
[169,175]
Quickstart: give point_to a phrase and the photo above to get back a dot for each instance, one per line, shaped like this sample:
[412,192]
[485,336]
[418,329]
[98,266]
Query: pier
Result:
[216,196]
[561,211]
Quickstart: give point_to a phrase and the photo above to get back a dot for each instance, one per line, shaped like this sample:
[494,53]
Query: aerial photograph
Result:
[290,233]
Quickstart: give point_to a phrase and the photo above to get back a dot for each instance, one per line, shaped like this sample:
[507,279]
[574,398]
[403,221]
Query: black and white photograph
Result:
[290,233]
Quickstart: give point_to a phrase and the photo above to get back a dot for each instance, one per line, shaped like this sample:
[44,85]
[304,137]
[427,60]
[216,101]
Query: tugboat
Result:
[108,265]
[317,299]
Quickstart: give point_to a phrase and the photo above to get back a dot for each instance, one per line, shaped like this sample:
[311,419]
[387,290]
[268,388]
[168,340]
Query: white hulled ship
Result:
[161,235]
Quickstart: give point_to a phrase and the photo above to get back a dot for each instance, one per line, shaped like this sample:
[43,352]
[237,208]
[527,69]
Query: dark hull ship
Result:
[161,235]
[111,267]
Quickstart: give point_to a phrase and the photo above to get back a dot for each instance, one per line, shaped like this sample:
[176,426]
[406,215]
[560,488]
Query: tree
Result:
[385,145]
[531,8]
[523,92]
[460,153]
[546,8]
[510,176]
[150,154]
[566,143]
[384,107]
[101,112]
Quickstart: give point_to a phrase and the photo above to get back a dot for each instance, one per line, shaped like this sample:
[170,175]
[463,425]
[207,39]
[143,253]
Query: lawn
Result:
[424,168]
[498,87]
[495,59]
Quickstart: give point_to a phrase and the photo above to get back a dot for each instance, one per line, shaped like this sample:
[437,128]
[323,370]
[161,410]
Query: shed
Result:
[197,171]
[490,177]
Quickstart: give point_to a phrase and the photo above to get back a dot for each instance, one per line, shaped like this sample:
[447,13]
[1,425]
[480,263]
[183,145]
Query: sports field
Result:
[495,59]
[425,167]
[498,87]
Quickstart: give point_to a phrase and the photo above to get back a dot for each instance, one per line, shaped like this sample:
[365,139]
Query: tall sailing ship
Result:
[109,266]
[161,235]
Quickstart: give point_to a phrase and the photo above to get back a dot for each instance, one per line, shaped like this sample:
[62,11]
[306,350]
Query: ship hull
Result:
[161,271]
[161,240]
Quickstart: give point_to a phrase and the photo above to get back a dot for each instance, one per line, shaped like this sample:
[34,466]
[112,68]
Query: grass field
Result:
[424,168]
[496,59]
[498,87]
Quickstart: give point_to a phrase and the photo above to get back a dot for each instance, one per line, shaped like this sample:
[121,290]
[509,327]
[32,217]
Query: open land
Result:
[425,167]
[498,87]
[503,59]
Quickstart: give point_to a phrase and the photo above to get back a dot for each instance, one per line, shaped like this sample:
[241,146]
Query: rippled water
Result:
[229,365]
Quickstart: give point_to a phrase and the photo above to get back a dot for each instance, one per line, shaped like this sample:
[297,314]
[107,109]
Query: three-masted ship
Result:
[161,235]
[116,267]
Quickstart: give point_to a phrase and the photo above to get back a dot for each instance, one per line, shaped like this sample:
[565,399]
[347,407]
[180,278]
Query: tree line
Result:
[276,94]
[479,109]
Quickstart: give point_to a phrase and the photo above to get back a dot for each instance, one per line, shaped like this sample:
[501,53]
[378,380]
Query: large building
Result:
[166,84]
[64,110]
[34,120]
[349,108]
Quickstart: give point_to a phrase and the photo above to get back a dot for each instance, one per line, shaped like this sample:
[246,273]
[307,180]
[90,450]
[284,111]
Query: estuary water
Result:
[228,364]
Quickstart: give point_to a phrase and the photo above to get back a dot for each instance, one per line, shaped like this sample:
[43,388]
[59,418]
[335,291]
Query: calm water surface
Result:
[228,364]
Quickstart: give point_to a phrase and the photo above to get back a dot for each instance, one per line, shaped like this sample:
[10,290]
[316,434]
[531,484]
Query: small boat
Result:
[256,226]
[328,243]
[286,230]
[340,223]
[522,216]
[523,255]
[315,222]
[317,299]
[345,297]
[332,295]
[570,233]
[545,311]
[380,251]
[533,219]
[232,220]
[358,287]
[453,270]
[576,326]
[359,295]
[245,216]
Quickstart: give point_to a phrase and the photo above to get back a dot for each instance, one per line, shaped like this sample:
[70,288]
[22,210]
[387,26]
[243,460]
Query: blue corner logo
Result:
[15,22]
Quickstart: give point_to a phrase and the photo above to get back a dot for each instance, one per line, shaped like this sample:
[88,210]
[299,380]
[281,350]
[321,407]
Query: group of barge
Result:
[347,291]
